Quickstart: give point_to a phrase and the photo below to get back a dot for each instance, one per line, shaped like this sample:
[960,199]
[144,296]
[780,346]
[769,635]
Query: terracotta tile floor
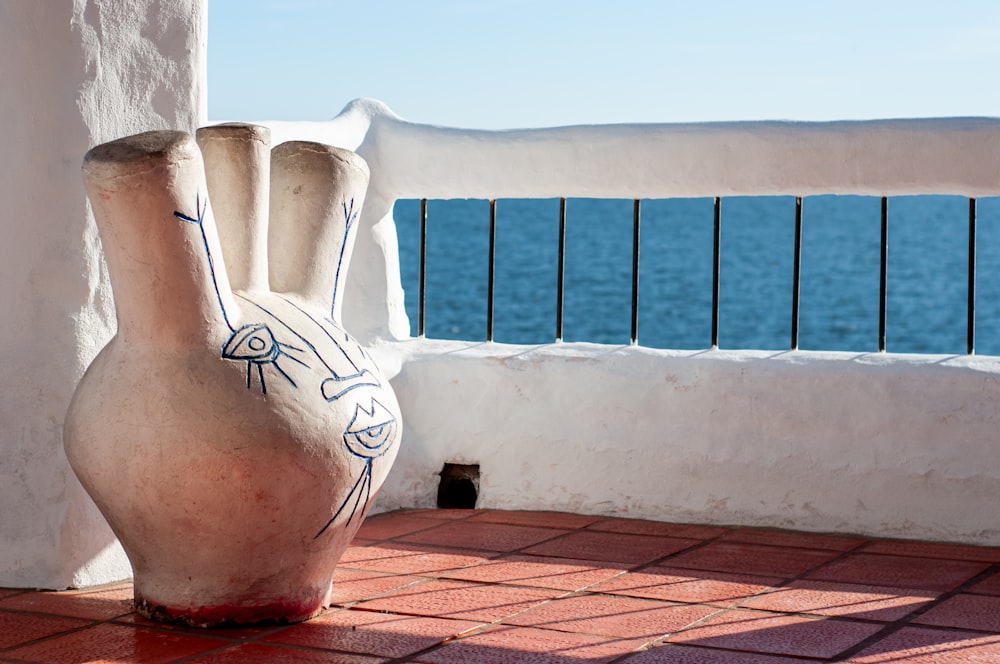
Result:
[443,586]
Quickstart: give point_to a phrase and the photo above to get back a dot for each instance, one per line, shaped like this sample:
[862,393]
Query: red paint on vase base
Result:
[280,612]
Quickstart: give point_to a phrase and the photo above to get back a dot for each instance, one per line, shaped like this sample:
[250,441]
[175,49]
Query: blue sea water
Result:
[840,271]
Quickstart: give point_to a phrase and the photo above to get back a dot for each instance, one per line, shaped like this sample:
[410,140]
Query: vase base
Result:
[274,613]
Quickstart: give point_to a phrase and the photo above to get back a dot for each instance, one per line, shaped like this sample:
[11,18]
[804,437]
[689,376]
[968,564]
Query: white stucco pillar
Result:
[73,73]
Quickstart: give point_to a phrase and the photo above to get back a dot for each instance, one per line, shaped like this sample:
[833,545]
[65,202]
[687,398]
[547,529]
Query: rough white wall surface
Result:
[72,75]
[879,444]
[889,445]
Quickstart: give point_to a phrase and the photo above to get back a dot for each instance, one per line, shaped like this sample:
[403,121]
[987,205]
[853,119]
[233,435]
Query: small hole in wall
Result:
[459,486]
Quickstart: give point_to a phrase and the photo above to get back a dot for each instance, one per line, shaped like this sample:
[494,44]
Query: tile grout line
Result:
[623,659]
[587,590]
[427,577]
[573,593]
[516,551]
[663,640]
[474,631]
[174,629]
[93,624]
[50,637]
[497,552]
[487,626]
[277,645]
[876,540]
[432,526]
[907,620]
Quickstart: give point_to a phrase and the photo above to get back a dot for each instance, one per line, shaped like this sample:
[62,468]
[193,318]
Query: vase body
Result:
[233,438]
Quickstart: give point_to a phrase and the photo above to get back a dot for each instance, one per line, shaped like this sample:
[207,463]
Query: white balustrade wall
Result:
[879,444]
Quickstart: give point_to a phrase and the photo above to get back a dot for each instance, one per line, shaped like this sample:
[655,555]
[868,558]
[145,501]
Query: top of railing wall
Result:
[881,158]
[663,160]
[958,156]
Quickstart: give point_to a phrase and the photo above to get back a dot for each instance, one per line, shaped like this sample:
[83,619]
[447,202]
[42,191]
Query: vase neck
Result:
[316,195]
[150,202]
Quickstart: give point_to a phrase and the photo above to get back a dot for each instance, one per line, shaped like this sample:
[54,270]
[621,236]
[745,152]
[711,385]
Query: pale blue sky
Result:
[532,63]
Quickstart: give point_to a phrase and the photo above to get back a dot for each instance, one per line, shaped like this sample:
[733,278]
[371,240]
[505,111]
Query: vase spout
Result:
[317,192]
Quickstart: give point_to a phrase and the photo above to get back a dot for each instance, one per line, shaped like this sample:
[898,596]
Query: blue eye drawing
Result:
[368,436]
[255,344]
[370,432]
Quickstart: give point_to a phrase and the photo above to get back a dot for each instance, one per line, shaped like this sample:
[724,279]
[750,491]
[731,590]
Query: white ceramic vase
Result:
[232,433]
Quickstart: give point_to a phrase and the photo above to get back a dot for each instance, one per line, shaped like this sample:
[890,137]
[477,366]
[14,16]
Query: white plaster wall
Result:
[879,444]
[73,73]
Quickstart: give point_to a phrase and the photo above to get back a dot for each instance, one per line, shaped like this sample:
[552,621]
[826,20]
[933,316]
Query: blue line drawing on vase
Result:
[329,387]
[255,344]
[199,221]
[350,216]
[368,436]
[337,385]
[370,432]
